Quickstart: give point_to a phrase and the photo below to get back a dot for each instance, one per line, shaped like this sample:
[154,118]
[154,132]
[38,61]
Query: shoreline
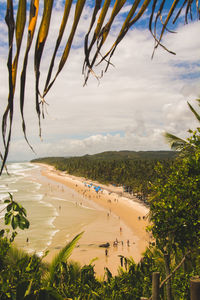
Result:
[123,219]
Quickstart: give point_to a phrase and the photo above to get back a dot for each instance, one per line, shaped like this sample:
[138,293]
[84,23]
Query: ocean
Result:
[43,200]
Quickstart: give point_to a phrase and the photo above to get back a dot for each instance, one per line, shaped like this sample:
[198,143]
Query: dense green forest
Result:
[133,170]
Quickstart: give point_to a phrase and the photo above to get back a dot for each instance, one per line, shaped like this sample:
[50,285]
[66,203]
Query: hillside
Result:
[117,155]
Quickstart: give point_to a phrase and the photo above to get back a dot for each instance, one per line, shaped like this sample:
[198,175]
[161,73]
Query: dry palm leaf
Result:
[12,66]
[68,4]
[41,39]
[34,7]
[78,11]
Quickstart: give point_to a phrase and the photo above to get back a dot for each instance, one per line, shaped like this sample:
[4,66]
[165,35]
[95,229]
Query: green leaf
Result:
[23,210]
[62,256]
[2,233]
[14,233]
[7,201]
[11,196]
[14,222]
[7,218]
[9,207]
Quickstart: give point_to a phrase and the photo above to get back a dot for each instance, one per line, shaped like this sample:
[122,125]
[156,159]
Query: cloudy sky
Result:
[129,109]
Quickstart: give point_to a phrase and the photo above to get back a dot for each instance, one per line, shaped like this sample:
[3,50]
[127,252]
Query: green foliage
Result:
[175,214]
[59,259]
[175,205]
[190,143]
[15,216]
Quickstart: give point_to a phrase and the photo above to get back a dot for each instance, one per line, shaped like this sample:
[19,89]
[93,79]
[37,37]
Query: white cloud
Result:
[134,104]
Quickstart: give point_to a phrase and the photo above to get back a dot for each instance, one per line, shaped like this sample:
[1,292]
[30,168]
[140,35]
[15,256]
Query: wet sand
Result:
[119,219]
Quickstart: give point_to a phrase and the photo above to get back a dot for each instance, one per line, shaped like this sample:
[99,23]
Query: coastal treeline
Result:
[135,171]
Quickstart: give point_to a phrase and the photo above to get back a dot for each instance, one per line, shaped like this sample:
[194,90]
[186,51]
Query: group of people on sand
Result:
[143,217]
[116,243]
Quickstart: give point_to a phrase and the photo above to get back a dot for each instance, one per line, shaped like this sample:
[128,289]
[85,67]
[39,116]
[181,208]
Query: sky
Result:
[129,108]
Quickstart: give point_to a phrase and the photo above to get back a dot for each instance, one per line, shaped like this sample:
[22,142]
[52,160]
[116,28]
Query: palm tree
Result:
[37,277]
[177,143]
[160,16]
[60,258]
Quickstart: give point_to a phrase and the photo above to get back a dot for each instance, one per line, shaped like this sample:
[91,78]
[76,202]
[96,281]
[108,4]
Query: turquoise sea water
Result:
[28,193]
[42,200]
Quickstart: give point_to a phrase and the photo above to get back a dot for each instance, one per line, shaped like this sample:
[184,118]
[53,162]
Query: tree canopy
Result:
[160,14]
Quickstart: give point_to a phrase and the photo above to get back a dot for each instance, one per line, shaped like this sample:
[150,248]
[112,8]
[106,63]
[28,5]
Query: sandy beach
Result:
[120,222]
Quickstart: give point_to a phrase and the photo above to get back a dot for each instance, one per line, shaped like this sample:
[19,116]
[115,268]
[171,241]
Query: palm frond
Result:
[78,11]
[68,4]
[34,8]
[9,19]
[62,256]
[40,43]
[175,142]
[198,100]
[15,254]
[194,112]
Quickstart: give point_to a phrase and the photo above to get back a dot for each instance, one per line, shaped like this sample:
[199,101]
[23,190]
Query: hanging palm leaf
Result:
[157,7]
[78,11]
[12,66]
[34,7]
[177,143]
[101,36]
[41,39]
[68,4]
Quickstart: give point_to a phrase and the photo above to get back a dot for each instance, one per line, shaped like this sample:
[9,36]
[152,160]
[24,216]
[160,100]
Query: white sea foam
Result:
[52,235]
[41,252]
[36,184]
[87,207]
[50,222]
[19,168]
[65,200]
[37,197]
[10,179]
[47,204]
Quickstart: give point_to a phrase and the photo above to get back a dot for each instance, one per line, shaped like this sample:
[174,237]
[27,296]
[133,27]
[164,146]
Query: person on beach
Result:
[106,252]
[121,260]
